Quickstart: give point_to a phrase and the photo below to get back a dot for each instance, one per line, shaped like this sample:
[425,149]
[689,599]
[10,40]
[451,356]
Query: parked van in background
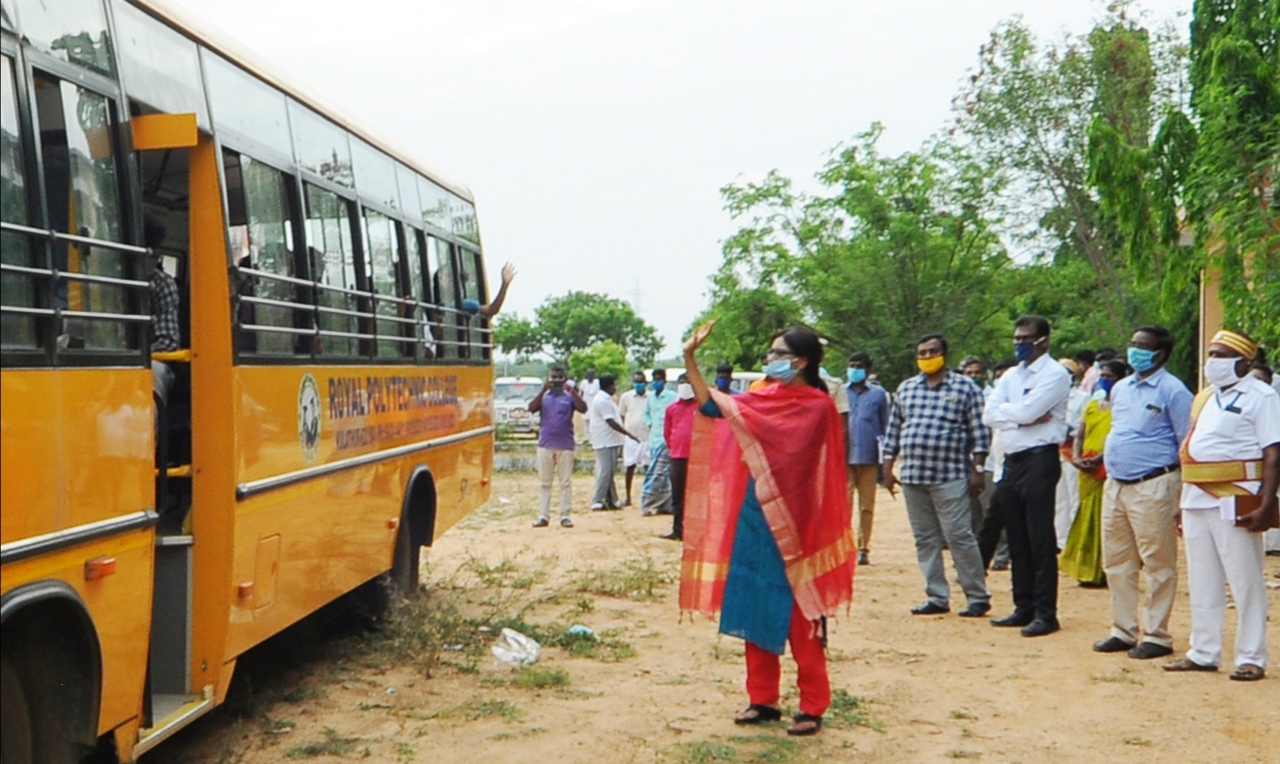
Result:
[511,397]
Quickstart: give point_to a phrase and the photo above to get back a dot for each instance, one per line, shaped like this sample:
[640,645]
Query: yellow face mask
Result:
[931,365]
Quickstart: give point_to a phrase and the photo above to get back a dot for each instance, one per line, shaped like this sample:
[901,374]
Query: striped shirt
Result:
[934,431]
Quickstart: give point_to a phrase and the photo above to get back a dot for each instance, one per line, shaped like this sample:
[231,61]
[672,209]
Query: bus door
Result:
[163,143]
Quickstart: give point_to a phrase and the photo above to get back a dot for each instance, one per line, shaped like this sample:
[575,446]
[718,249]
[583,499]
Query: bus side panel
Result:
[119,606]
[66,434]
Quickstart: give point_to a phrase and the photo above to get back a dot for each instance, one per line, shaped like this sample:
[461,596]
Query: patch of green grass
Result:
[708,751]
[584,604]
[333,744]
[483,709]
[850,711]
[767,749]
[636,578]
[531,678]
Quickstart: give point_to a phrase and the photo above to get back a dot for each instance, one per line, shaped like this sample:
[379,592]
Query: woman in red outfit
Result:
[768,542]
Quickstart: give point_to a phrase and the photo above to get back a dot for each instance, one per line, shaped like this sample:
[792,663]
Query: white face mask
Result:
[1221,372]
[684,391]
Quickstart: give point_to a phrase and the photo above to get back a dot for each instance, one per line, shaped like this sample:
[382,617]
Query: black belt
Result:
[1165,470]
[1029,452]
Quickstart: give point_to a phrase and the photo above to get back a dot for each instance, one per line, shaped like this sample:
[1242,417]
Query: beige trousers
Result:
[1139,536]
[862,479]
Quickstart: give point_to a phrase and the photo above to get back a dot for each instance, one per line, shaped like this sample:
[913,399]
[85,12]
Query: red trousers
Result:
[764,669]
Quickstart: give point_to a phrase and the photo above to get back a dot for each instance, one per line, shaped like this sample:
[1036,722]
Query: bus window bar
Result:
[349,335]
[341,311]
[56,274]
[52,235]
[74,314]
[277,329]
[272,302]
[269,276]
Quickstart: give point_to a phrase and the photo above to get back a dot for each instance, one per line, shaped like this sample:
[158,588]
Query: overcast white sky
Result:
[596,134]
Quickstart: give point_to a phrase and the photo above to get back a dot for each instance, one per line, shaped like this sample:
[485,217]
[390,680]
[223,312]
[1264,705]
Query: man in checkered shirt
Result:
[164,312]
[935,428]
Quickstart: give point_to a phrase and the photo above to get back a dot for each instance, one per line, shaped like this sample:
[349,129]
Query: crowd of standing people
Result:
[1091,466]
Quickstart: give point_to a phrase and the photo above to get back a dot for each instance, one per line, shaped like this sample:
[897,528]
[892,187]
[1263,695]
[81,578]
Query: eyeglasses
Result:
[778,353]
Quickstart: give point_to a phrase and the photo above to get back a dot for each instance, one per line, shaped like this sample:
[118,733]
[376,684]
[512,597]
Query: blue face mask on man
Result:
[723,383]
[1142,359]
[781,370]
[857,376]
[1025,349]
[1105,385]
[658,385]
[639,387]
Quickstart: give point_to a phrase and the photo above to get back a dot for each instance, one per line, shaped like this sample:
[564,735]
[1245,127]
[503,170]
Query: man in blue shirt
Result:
[936,427]
[1150,417]
[868,418]
[655,496]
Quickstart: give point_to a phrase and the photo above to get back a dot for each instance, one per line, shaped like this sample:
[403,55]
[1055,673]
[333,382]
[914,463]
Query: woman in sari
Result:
[768,541]
[1082,555]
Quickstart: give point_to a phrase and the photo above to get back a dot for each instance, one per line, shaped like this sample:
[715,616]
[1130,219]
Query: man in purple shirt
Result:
[555,404]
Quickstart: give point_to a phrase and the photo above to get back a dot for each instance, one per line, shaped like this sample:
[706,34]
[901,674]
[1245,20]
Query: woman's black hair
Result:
[806,344]
[1117,367]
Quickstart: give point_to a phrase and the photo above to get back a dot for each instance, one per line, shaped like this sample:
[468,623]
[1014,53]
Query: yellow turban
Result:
[1237,342]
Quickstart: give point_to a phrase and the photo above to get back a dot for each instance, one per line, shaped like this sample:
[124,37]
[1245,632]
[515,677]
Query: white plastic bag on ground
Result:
[515,648]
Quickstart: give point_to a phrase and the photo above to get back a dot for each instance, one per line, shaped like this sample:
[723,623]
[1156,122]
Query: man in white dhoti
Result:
[1230,475]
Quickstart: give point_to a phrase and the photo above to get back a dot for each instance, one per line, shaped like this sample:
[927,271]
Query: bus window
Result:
[448,327]
[471,278]
[260,234]
[333,268]
[417,290]
[81,191]
[17,332]
[71,30]
[160,66]
[383,264]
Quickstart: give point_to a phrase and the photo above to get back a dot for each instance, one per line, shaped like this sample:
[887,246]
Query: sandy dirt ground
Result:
[648,688]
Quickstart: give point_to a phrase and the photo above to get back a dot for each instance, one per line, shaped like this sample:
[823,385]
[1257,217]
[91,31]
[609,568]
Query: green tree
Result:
[1231,186]
[606,357]
[576,321]
[895,248]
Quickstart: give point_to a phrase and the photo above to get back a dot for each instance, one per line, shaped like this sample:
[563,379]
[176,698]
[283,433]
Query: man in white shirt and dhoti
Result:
[1230,474]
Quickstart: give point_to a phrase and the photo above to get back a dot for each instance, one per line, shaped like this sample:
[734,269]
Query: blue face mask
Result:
[657,386]
[1024,350]
[857,376]
[781,370]
[1105,385]
[639,387]
[722,384]
[1142,360]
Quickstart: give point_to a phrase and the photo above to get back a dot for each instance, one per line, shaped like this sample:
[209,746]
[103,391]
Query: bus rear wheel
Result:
[15,718]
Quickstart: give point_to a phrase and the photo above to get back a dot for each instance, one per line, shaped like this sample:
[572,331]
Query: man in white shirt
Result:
[1230,475]
[1029,408]
[631,406]
[607,437]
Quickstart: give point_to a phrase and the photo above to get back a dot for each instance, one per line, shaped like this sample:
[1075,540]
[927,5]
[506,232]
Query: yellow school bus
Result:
[179,483]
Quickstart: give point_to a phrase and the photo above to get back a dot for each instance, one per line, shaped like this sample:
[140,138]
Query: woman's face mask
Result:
[781,370]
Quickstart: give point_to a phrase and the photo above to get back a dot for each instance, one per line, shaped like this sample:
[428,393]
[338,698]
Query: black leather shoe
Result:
[1040,627]
[976,610]
[1147,650]
[930,608]
[1112,645]
[1013,619]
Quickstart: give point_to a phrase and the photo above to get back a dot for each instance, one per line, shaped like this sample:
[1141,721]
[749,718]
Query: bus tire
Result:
[402,579]
[15,718]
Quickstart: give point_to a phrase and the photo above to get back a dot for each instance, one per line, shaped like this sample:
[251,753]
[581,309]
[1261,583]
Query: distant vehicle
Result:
[743,379]
[511,396]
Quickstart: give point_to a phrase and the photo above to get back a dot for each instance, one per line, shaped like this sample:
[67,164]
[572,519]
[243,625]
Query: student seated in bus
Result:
[164,312]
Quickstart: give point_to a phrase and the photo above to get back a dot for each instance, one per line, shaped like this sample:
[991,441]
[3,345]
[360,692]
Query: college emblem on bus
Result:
[309,417]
